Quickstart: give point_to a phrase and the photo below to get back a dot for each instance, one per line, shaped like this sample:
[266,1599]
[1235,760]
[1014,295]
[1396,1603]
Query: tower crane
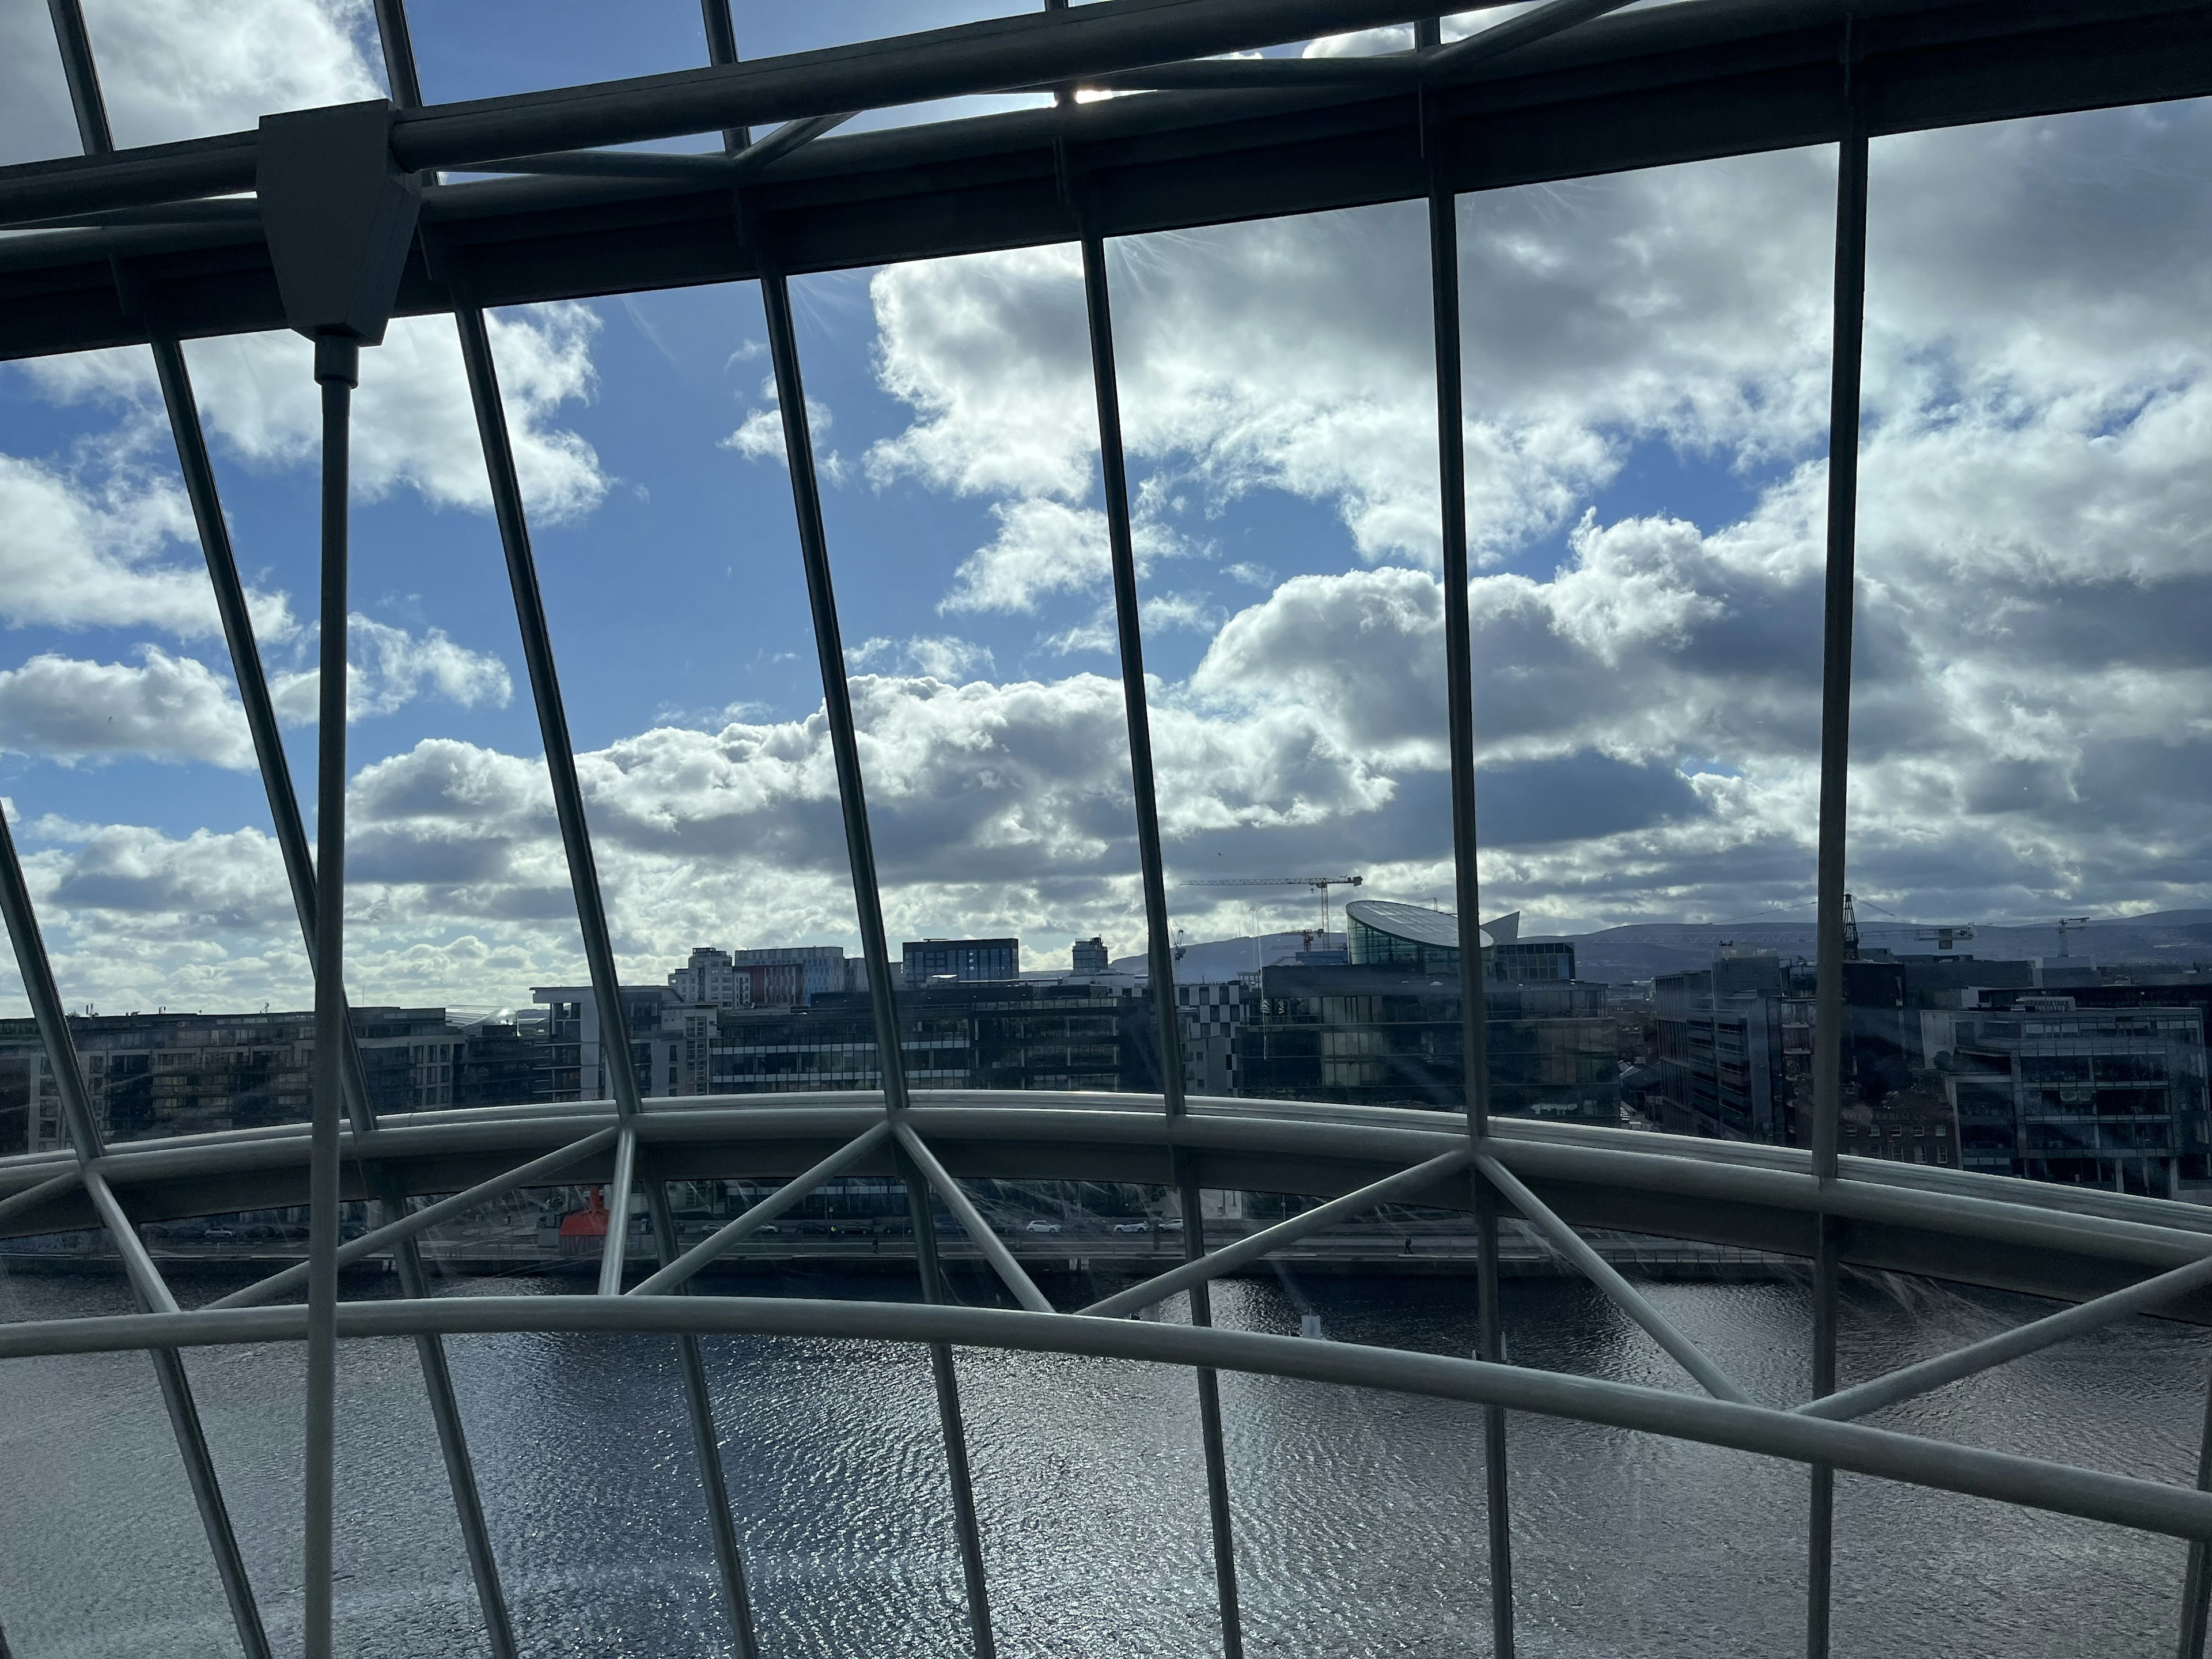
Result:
[1321,883]
[2066,924]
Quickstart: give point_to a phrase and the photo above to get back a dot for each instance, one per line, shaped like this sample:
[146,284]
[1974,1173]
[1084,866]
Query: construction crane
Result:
[2064,924]
[1323,882]
[1945,938]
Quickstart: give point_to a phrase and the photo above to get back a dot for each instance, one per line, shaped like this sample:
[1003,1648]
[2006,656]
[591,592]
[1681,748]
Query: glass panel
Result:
[169,72]
[35,120]
[1646,396]
[467,48]
[2028,735]
[678,607]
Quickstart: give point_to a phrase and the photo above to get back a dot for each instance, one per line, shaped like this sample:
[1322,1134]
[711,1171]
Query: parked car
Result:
[1044,1226]
[766,1227]
[220,1235]
[1133,1227]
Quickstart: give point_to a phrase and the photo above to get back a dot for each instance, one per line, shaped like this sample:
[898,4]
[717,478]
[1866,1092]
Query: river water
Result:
[1359,1516]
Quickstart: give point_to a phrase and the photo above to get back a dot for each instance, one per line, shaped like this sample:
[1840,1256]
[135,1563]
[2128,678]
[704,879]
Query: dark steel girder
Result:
[1701,79]
[1988,1231]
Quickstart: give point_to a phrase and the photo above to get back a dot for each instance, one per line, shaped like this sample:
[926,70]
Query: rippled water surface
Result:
[1359,1516]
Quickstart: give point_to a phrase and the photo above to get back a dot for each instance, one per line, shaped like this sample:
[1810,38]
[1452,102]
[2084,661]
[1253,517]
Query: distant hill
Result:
[1224,958]
[2169,938]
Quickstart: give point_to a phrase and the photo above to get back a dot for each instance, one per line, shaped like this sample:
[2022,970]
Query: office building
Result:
[1379,1036]
[967,961]
[1011,1034]
[170,1074]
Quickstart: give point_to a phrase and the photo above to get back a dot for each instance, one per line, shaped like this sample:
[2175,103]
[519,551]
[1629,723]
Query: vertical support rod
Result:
[946,1379]
[237,619]
[836,694]
[722,48]
[1219,1517]
[1459,682]
[83,74]
[38,974]
[707,1443]
[1159,953]
[1158,949]
[337,368]
[398,41]
[1829,1013]
[2196,1584]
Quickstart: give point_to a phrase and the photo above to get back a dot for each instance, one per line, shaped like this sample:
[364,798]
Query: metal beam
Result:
[964,1210]
[83,74]
[2122,1500]
[616,1058]
[1645,87]
[1602,1273]
[1159,949]
[944,1379]
[2032,1338]
[1829,1017]
[2196,1580]
[30,1197]
[703,1254]
[1539,24]
[1467,885]
[836,692]
[1391,1189]
[411,1224]
[338,369]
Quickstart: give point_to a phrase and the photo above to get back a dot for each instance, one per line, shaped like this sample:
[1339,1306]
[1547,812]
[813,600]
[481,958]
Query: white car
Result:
[1044,1226]
[1133,1227]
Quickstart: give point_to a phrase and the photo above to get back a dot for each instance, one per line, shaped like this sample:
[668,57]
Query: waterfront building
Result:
[1010,1034]
[1383,934]
[1948,1061]
[2043,1087]
[171,1074]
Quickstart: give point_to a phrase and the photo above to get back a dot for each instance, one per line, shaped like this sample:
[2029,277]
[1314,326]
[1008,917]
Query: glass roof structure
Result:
[1657,464]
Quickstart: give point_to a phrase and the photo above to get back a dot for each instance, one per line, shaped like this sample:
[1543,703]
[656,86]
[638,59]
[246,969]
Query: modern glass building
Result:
[1382,933]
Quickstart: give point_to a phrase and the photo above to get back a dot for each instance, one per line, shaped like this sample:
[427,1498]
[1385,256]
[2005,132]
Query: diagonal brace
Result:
[30,1197]
[701,1255]
[409,1224]
[1913,1381]
[1229,1257]
[1602,1273]
[678,167]
[964,1212]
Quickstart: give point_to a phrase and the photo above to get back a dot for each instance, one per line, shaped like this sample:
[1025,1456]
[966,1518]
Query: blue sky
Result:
[1646,404]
